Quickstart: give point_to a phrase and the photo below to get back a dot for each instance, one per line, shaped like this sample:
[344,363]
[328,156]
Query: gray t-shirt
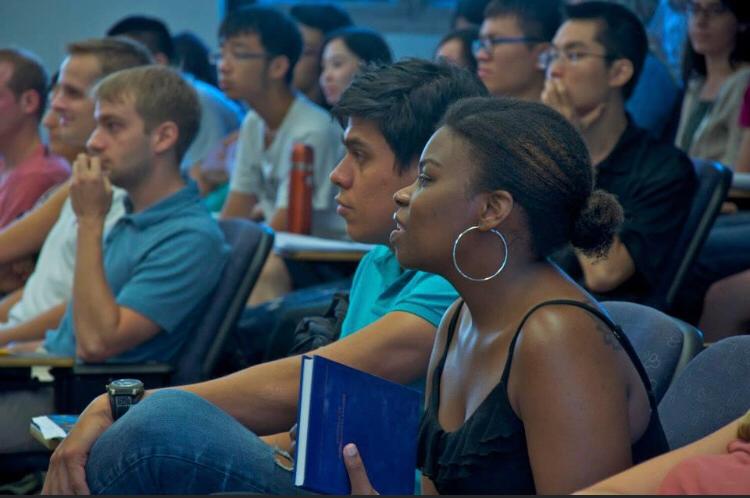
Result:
[264,172]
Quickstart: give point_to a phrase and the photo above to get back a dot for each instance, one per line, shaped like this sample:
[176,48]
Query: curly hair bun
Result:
[596,226]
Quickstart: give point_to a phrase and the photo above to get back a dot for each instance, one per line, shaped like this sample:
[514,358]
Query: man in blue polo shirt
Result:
[390,325]
[134,299]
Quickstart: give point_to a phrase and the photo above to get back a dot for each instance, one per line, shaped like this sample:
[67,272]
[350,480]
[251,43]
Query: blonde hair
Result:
[160,95]
[113,54]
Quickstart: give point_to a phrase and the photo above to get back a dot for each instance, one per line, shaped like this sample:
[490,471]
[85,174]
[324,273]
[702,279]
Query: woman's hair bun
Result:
[597,224]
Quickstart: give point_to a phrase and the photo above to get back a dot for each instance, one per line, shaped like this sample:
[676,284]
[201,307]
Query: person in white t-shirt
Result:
[259,49]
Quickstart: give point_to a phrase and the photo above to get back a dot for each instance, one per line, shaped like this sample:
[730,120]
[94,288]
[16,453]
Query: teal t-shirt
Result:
[381,286]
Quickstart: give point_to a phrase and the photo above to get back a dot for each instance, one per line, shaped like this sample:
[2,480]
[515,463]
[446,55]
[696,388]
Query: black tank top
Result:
[488,454]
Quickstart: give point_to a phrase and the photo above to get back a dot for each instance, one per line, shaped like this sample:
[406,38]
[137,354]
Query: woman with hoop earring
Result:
[531,387]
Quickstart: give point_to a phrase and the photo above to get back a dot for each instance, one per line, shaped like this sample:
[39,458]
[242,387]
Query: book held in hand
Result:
[50,430]
[339,405]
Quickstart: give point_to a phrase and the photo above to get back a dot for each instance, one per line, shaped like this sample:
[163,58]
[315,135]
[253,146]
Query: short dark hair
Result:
[695,64]
[192,56]
[368,45]
[28,74]
[471,10]
[324,17]
[534,153]
[466,36]
[406,101]
[278,33]
[621,33]
[150,31]
[537,18]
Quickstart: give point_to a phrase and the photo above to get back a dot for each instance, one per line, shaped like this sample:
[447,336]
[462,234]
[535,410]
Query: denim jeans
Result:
[175,442]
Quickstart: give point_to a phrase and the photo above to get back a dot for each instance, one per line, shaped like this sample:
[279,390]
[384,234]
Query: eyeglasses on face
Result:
[711,10]
[487,43]
[571,55]
[236,55]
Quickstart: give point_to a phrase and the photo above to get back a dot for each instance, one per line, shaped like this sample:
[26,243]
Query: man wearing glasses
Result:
[592,67]
[259,49]
[513,35]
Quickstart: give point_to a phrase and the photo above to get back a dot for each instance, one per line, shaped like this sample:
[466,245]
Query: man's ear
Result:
[537,50]
[278,67]
[30,101]
[164,137]
[620,73]
[494,209]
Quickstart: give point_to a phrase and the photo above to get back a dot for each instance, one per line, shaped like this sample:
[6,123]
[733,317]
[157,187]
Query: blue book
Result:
[339,405]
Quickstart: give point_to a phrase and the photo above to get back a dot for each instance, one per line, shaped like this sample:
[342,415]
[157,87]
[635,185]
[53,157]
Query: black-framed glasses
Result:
[571,55]
[487,43]
[712,10]
[236,55]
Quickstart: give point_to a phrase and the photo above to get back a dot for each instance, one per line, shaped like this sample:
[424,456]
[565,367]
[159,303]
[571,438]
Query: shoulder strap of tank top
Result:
[438,372]
[616,330]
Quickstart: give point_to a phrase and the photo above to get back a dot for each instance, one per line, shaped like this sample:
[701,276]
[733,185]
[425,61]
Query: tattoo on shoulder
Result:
[607,334]
[601,327]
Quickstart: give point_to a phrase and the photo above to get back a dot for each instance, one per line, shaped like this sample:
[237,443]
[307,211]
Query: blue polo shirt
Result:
[381,286]
[162,263]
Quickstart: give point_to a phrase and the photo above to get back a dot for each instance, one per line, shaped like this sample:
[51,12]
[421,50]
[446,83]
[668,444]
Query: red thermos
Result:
[299,210]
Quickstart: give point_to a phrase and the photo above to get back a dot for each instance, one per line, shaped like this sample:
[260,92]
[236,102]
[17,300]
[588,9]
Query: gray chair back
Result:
[713,390]
[714,181]
[250,244]
[664,344]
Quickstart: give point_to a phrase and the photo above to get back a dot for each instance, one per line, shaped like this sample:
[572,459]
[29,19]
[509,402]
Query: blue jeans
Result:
[175,442]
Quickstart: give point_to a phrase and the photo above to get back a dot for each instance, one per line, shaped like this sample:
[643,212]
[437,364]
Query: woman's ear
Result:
[495,208]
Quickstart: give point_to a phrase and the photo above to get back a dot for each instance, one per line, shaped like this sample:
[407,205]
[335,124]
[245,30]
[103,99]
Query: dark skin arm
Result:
[566,364]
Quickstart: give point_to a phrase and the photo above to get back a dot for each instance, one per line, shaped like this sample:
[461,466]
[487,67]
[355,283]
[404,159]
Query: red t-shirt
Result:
[724,474]
[745,110]
[23,185]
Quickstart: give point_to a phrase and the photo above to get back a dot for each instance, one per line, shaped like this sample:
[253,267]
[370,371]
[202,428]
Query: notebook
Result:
[50,430]
[340,405]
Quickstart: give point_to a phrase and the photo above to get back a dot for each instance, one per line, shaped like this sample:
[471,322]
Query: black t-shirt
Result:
[655,183]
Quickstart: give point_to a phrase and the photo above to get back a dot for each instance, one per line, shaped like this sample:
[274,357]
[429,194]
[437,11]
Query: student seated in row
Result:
[27,168]
[219,115]
[592,68]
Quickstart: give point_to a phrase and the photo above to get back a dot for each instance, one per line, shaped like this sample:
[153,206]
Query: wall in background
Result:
[46,26]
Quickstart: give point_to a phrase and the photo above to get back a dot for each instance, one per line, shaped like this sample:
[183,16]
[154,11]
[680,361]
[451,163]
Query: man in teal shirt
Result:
[389,113]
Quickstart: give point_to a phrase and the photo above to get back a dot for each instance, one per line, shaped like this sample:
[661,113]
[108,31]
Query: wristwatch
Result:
[123,393]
